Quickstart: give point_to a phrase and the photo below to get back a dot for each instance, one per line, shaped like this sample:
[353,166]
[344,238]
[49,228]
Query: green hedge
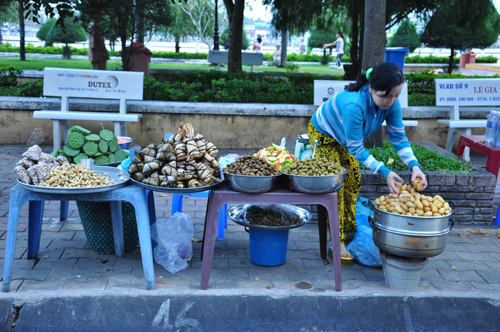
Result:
[244,87]
[446,59]
[83,51]
[293,57]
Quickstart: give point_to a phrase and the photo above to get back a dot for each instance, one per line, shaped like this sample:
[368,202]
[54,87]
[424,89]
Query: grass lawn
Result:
[40,64]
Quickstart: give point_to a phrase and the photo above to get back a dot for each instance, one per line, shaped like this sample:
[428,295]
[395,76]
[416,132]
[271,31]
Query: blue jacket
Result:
[350,117]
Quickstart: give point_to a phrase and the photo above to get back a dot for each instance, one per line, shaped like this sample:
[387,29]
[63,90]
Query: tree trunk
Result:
[373,50]
[1,37]
[450,62]
[374,34]
[126,52]
[354,38]
[235,15]
[177,44]
[361,37]
[97,51]
[139,36]
[22,51]
[284,48]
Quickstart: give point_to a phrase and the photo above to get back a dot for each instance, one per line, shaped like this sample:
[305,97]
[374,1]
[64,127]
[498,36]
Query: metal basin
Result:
[410,236]
[125,142]
[250,184]
[315,184]
[234,213]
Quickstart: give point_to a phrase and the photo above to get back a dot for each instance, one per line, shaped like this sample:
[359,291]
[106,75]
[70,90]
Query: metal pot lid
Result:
[411,233]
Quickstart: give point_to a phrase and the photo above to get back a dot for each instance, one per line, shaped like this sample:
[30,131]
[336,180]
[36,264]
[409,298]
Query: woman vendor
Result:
[341,126]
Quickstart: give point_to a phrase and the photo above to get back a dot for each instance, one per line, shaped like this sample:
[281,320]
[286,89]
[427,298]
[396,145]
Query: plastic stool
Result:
[222,223]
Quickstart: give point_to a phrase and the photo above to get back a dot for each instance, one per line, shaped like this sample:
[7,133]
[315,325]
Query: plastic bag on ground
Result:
[363,249]
[173,236]
[362,207]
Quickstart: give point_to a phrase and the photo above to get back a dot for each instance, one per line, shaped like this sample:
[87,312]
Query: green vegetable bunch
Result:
[430,159]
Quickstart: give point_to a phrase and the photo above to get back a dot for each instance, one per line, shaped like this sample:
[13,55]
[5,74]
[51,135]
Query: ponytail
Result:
[383,77]
[340,34]
[362,80]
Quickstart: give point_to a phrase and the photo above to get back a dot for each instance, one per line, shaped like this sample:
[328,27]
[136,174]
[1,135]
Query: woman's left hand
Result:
[416,172]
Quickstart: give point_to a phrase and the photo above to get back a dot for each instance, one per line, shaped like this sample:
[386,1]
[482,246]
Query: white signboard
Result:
[471,91]
[93,83]
[324,89]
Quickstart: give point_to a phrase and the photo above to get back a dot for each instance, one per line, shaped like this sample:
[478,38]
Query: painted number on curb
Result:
[180,321]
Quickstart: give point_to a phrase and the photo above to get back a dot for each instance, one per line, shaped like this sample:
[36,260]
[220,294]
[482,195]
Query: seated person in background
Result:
[277,54]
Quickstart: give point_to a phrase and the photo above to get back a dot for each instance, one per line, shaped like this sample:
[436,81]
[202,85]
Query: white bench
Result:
[247,58]
[465,92]
[81,83]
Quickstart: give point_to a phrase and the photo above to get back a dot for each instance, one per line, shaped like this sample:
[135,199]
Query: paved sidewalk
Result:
[67,261]
[470,265]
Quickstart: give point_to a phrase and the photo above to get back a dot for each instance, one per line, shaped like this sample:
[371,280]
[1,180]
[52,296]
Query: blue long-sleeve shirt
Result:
[350,117]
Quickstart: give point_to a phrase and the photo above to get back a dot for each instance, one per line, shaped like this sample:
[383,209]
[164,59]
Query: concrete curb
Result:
[282,311]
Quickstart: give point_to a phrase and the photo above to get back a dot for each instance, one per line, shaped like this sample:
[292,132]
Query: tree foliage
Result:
[181,27]
[71,33]
[202,15]
[44,31]
[224,39]
[121,17]
[406,36]
[462,24]
[8,13]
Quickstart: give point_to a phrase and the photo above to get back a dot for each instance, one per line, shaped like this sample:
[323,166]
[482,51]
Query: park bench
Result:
[465,92]
[247,58]
[100,84]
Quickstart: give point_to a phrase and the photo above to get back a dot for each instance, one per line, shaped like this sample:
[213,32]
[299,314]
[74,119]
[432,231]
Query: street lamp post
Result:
[216,28]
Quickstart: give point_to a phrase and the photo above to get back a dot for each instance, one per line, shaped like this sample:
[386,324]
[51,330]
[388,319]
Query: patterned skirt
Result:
[347,195]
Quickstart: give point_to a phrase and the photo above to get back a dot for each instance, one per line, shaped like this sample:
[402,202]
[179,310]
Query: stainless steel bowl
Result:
[234,213]
[125,142]
[250,184]
[315,184]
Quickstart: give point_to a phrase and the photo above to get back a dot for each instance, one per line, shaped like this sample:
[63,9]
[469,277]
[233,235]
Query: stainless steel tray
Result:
[110,164]
[113,171]
[234,214]
[175,190]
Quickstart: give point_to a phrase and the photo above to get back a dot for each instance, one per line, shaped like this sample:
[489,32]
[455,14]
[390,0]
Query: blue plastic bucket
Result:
[268,246]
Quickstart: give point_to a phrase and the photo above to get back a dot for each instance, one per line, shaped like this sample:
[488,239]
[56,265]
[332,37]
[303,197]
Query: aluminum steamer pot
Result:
[409,236]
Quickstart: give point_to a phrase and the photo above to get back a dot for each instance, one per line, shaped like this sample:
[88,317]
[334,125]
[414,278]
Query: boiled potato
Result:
[411,203]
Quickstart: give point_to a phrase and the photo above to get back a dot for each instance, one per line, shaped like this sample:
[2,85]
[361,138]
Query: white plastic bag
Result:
[227,159]
[37,137]
[173,238]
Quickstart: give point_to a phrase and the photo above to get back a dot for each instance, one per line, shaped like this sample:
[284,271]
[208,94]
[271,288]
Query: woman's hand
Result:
[416,172]
[325,46]
[391,179]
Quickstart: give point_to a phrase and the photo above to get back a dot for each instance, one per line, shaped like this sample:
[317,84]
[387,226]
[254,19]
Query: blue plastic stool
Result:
[222,222]
[497,219]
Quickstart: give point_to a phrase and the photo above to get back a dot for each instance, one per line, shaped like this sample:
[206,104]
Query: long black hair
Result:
[340,34]
[383,77]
